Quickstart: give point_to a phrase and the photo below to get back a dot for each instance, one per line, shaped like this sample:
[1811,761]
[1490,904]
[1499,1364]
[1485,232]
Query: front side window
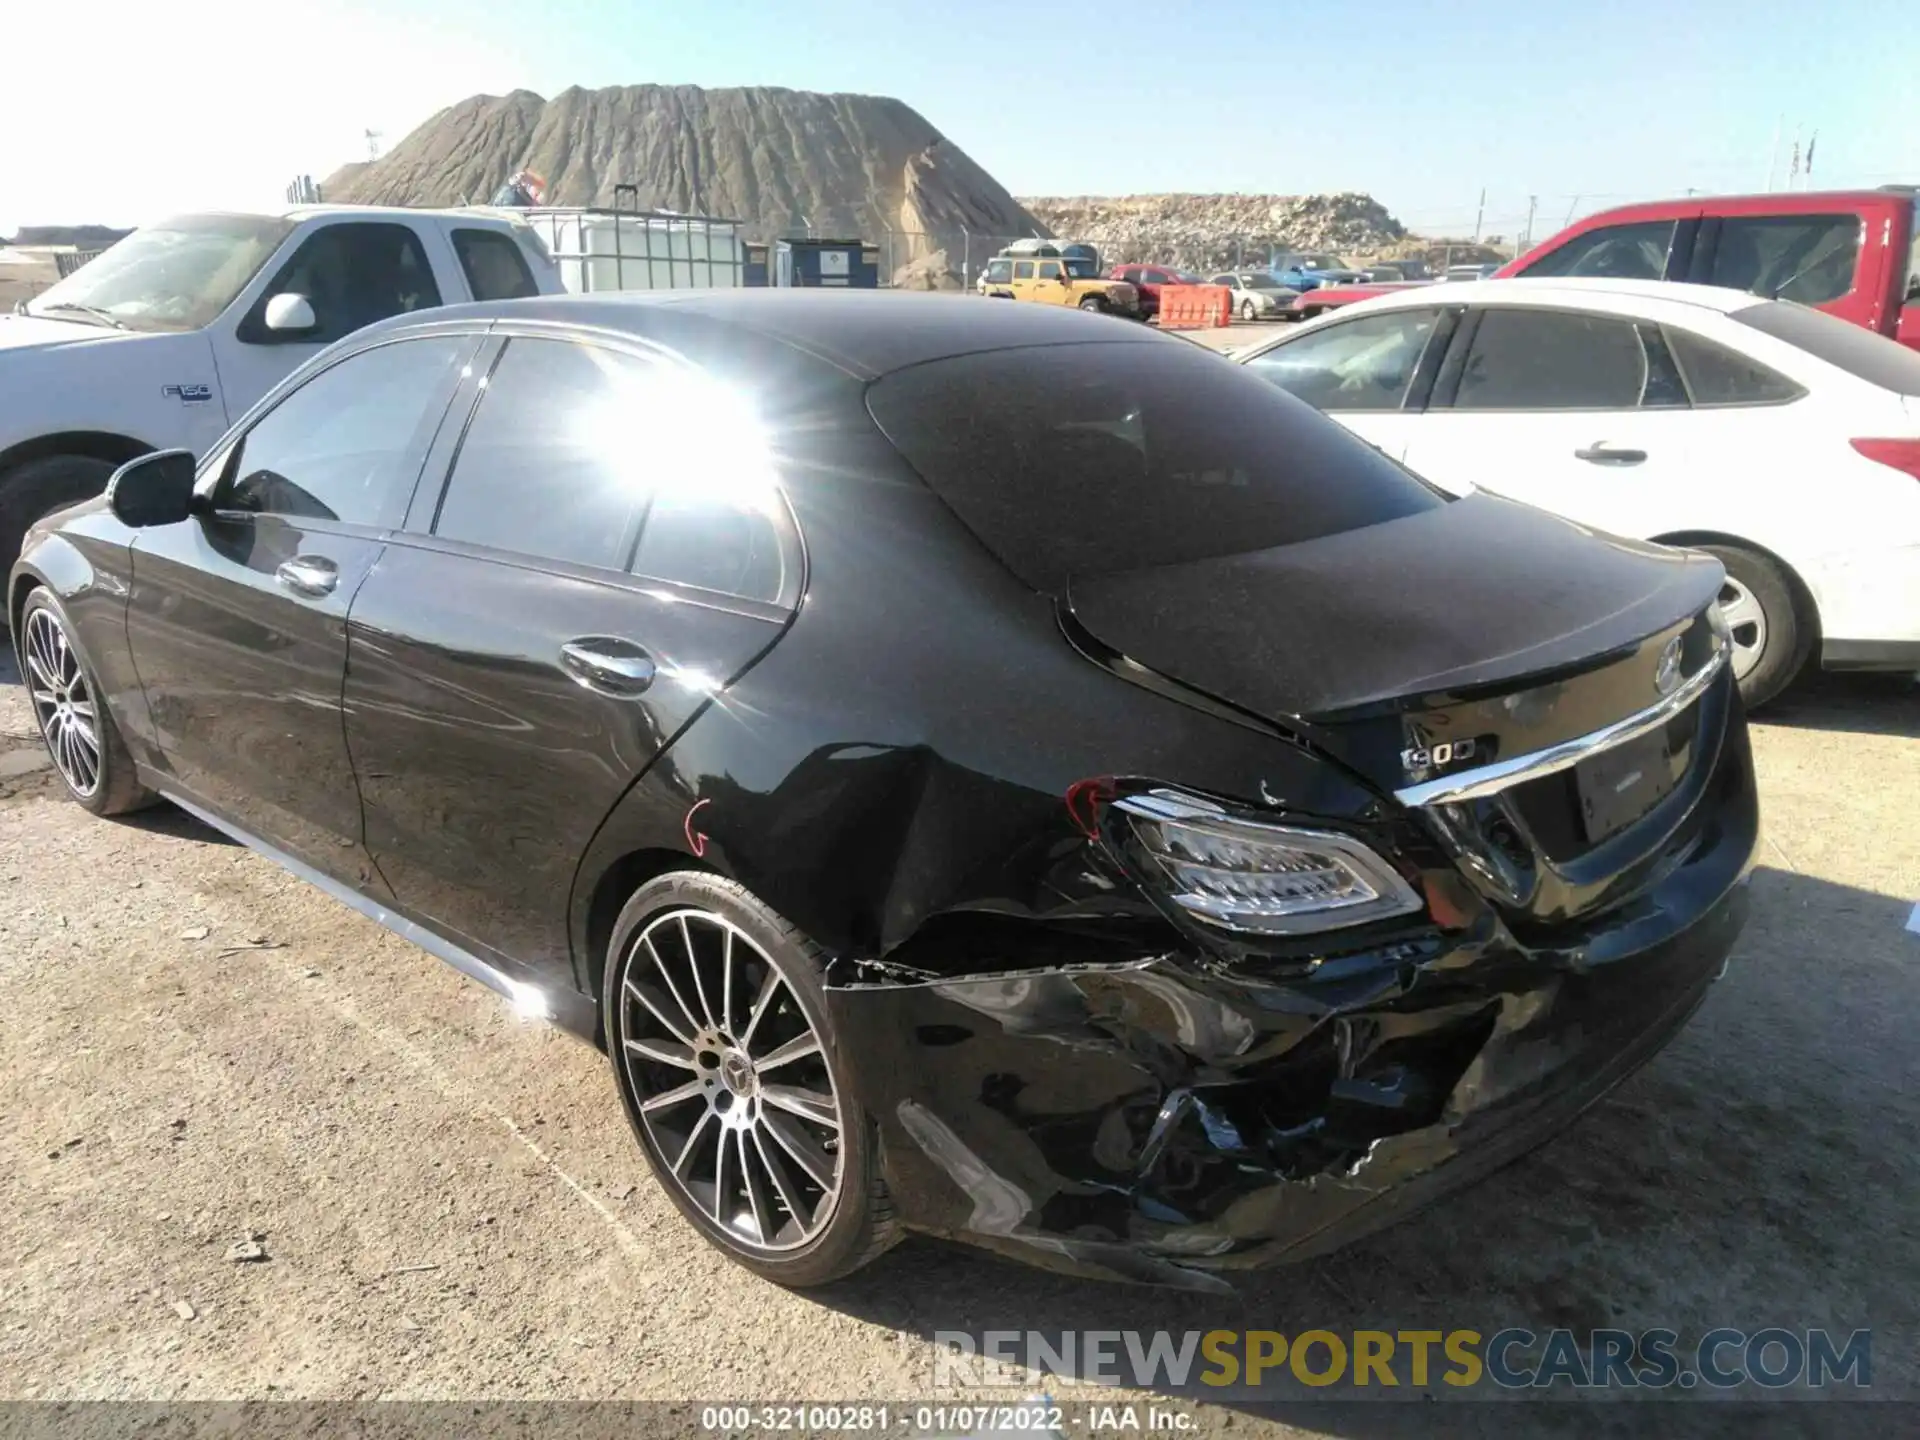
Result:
[1366,363]
[1023,269]
[347,445]
[1526,359]
[352,275]
[592,457]
[1808,258]
[1093,459]
[176,275]
[1613,252]
[494,267]
[1131,275]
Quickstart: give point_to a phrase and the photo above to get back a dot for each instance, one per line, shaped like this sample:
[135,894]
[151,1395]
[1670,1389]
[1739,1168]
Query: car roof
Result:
[866,333]
[1627,296]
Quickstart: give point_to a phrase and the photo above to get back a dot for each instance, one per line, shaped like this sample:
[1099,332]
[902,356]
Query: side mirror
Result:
[290,315]
[155,489]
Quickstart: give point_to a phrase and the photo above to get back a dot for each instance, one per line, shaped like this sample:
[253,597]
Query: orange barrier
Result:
[1195,307]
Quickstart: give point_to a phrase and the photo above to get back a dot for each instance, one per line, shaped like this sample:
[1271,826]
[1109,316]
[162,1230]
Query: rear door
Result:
[237,619]
[608,551]
[1581,413]
[1371,373]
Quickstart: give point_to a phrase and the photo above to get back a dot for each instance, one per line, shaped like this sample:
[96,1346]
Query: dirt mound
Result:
[1214,232]
[787,162]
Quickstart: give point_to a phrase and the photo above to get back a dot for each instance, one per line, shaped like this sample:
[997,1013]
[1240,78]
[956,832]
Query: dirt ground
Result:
[23,277]
[197,1051]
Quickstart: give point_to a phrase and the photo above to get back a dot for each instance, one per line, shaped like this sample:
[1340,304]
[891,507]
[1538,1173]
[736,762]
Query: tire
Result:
[40,487]
[1773,636]
[1311,312]
[703,985]
[1093,302]
[1248,313]
[78,729]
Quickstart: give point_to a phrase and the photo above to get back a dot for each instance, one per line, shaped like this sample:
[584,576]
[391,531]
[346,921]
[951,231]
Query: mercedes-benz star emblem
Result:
[1666,670]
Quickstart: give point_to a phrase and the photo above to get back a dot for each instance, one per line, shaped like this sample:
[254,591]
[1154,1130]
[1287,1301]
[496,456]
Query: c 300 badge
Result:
[1424,757]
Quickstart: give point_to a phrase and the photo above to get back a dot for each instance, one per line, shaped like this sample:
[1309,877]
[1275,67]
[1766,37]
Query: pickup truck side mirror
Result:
[155,489]
[290,315]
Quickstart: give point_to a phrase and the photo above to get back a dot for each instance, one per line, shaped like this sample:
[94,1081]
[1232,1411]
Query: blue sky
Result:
[1420,104]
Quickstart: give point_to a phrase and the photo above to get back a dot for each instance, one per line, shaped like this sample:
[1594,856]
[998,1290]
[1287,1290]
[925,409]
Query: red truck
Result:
[1852,253]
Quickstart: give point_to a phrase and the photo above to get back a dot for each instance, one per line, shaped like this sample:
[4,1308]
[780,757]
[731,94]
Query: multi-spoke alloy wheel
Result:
[731,1081]
[63,702]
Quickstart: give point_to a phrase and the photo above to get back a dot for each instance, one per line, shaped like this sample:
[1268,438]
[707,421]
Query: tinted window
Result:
[1049,269]
[1023,269]
[1809,258]
[348,444]
[496,270]
[1131,275]
[1859,352]
[1552,360]
[1618,252]
[353,275]
[1098,458]
[574,449]
[551,466]
[1719,376]
[1361,364]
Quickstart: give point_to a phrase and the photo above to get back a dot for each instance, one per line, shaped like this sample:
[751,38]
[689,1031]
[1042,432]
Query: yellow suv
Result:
[1047,276]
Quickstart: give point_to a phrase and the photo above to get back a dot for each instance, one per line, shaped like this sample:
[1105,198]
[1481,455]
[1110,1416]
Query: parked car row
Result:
[1783,441]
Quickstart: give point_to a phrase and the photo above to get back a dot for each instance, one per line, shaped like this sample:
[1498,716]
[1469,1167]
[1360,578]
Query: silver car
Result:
[1256,294]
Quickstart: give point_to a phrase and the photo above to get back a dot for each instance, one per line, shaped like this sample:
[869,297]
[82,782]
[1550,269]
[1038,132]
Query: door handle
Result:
[607,663]
[1601,453]
[309,575]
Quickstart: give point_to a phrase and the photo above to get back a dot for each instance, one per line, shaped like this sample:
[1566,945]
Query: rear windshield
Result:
[1084,460]
[1853,348]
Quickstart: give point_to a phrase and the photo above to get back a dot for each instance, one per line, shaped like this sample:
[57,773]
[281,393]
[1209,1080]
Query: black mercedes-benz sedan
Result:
[983,770]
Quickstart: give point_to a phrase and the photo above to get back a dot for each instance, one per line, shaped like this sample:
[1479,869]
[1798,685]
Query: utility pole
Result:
[374,137]
[1479,215]
[1526,240]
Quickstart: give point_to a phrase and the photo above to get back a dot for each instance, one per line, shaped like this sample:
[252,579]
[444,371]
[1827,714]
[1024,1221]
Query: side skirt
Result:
[571,1011]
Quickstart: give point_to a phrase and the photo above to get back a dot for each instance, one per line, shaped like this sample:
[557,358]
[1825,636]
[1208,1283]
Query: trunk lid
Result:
[1450,641]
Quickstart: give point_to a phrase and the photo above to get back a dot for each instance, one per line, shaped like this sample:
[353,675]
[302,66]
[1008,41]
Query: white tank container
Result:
[604,250]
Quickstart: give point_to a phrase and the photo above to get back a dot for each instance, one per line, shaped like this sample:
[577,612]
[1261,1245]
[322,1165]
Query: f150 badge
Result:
[188,394]
[1425,757]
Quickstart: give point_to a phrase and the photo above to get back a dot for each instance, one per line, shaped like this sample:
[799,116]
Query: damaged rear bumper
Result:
[1162,1120]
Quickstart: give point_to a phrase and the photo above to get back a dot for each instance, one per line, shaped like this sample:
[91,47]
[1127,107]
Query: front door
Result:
[352,273]
[1366,372]
[527,647]
[237,619]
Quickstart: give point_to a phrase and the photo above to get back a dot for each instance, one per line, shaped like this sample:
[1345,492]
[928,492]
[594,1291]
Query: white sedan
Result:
[1782,440]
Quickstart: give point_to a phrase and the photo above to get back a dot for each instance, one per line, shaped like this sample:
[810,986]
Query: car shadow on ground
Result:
[1848,702]
[1747,1177]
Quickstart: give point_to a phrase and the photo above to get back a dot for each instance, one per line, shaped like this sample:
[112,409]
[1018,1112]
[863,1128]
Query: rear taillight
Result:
[1900,454]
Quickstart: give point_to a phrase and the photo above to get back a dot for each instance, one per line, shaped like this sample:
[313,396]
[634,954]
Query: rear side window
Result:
[1852,348]
[347,446]
[494,266]
[545,469]
[1554,360]
[1100,458]
[593,457]
[1717,375]
[1615,252]
[1808,258]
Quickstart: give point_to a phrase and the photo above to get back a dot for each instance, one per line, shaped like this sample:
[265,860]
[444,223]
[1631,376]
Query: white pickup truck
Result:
[172,334]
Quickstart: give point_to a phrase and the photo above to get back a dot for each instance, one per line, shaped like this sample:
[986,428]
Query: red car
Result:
[1148,279]
[1852,253]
